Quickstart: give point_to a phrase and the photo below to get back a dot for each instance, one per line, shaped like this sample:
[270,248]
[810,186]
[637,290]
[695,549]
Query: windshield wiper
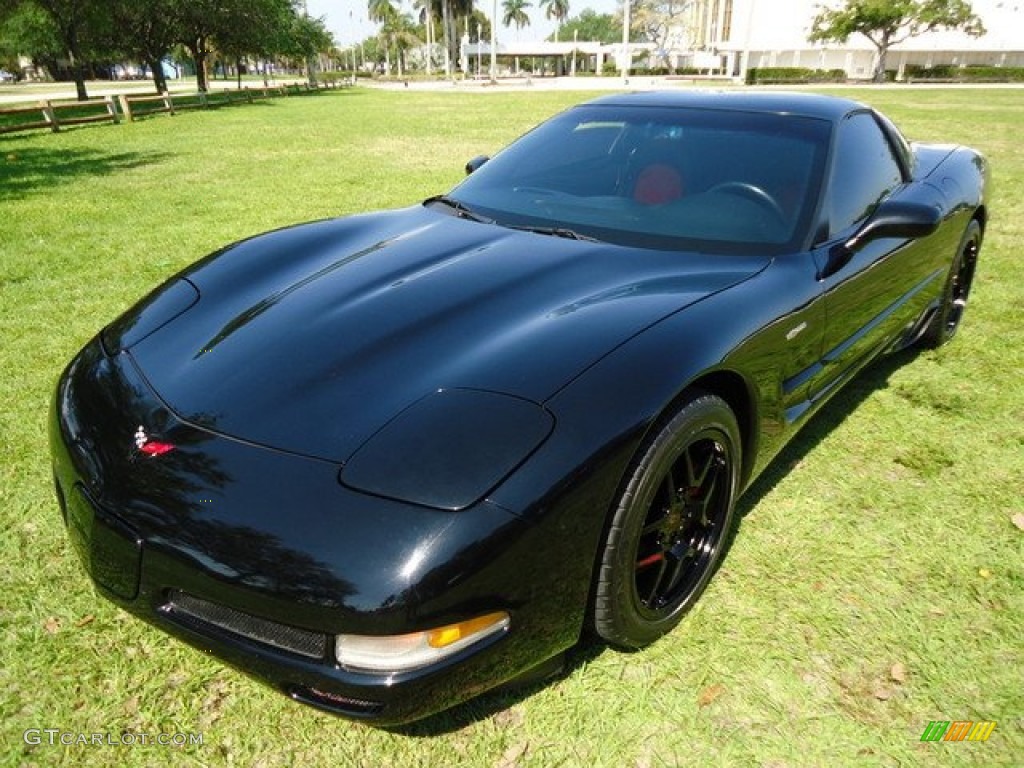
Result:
[569,234]
[463,211]
[460,209]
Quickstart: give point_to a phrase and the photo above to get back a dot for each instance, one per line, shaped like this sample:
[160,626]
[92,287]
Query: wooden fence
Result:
[56,114]
[136,106]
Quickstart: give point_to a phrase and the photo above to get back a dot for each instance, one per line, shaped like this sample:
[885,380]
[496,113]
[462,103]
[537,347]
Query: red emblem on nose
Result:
[151,447]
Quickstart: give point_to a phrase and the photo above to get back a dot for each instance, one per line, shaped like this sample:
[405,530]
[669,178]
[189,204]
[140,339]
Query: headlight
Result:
[449,449]
[400,653]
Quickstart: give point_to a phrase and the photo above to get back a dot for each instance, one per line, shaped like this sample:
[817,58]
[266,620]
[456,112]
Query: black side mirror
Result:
[475,163]
[892,218]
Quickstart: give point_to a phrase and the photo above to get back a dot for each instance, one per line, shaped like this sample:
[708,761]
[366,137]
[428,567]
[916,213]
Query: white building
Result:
[773,33]
[726,37]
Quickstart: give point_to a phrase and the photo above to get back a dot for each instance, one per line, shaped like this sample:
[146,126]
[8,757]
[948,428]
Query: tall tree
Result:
[479,21]
[199,21]
[146,31]
[557,10]
[458,12]
[25,30]
[592,26]
[307,39]
[80,25]
[889,22]
[427,16]
[452,14]
[256,28]
[383,12]
[515,13]
[236,27]
[380,11]
[450,35]
[7,9]
[399,34]
[666,23]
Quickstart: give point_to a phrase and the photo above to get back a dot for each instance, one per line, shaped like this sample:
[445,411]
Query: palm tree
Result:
[557,10]
[458,12]
[380,11]
[452,14]
[426,17]
[383,13]
[400,32]
[515,13]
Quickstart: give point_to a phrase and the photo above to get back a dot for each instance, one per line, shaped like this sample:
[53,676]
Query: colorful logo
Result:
[958,730]
[151,447]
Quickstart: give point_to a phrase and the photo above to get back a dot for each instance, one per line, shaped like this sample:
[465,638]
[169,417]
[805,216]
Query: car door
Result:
[870,299]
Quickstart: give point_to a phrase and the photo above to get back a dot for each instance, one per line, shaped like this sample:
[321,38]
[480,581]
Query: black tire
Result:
[671,525]
[946,320]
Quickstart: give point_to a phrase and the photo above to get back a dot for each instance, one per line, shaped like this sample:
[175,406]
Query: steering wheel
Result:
[751,192]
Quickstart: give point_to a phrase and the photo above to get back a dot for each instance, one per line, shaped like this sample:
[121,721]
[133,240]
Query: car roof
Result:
[779,102]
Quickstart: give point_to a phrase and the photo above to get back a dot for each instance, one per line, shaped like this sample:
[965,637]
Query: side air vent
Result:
[334,702]
[202,615]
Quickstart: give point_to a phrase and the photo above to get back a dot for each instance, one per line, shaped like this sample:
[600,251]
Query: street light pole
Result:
[575,43]
[494,41]
[624,64]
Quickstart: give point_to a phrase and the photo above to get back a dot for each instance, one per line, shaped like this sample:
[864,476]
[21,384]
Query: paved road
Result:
[29,93]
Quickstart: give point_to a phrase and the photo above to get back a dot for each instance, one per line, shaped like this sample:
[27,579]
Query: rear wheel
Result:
[671,525]
[946,321]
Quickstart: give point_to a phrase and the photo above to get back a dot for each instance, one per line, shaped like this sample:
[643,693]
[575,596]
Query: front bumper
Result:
[261,557]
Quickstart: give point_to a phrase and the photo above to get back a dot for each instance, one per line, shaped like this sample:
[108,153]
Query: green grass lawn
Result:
[875,583]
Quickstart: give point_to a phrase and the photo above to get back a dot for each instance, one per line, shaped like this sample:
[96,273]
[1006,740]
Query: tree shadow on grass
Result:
[27,171]
[493,703]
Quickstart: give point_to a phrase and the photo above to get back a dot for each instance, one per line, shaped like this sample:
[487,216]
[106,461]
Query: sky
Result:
[347,19]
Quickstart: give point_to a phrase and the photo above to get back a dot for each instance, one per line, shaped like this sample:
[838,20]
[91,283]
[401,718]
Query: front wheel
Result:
[671,525]
[946,320]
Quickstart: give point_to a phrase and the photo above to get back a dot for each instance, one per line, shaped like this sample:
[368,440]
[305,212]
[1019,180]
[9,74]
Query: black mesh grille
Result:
[337,703]
[200,614]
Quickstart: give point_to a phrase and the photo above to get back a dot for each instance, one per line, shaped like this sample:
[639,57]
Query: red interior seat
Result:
[657,184]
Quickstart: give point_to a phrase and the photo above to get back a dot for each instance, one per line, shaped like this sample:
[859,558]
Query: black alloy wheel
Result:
[671,525]
[947,318]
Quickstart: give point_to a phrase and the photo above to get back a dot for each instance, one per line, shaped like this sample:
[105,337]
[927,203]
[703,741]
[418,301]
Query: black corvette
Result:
[387,462]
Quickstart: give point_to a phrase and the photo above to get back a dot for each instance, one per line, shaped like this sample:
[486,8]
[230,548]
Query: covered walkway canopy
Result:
[556,58]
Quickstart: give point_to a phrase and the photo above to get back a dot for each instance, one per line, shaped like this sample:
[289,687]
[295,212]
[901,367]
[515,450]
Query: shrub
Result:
[794,75]
[971,74]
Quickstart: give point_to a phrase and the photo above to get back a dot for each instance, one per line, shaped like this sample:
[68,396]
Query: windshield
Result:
[718,181]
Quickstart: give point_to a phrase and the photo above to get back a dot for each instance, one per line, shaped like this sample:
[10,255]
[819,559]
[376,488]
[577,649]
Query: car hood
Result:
[310,339]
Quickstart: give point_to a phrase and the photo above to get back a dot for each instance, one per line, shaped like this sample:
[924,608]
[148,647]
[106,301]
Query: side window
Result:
[865,171]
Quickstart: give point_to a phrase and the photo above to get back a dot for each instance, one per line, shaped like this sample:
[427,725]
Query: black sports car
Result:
[390,461]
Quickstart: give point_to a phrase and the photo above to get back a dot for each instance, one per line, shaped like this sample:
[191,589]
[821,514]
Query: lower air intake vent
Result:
[334,702]
[200,615]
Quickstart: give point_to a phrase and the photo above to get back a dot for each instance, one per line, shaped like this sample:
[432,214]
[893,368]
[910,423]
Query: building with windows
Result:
[727,37]
[773,33]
